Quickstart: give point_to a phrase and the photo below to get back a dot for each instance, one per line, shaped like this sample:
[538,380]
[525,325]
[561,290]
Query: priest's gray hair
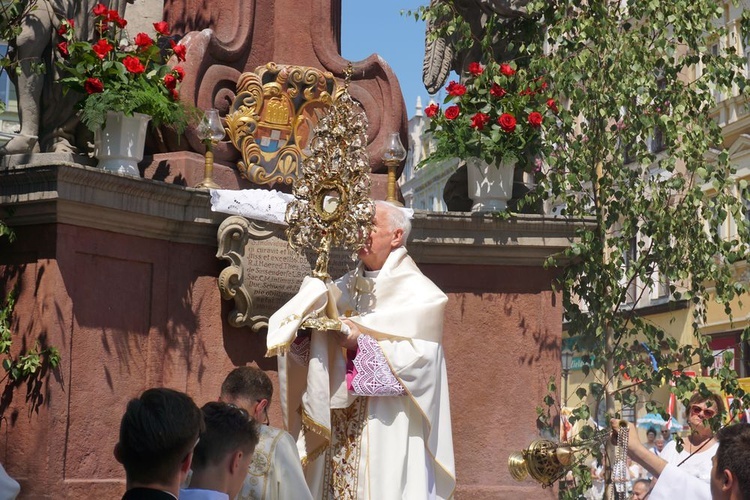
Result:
[397,218]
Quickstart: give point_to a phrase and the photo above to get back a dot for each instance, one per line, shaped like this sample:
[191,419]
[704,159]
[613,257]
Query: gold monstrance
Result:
[332,205]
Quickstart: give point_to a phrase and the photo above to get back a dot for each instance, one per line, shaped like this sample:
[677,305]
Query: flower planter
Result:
[490,186]
[119,145]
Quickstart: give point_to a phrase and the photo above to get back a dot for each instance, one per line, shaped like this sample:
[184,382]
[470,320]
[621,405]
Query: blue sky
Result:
[376,26]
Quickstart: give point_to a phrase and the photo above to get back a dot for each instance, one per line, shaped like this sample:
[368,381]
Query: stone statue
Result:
[48,119]
[440,56]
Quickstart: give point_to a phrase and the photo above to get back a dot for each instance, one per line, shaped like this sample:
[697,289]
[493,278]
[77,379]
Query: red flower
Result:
[133,65]
[93,86]
[63,48]
[102,48]
[121,22]
[551,104]
[67,24]
[180,73]
[475,68]
[479,120]
[175,95]
[456,89]
[432,110]
[162,28]
[507,122]
[113,16]
[452,112]
[99,10]
[535,119]
[497,91]
[170,81]
[528,91]
[507,70]
[143,41]
[179,50]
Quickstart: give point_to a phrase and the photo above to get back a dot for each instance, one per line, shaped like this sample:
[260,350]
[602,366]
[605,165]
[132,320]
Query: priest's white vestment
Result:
[370,447]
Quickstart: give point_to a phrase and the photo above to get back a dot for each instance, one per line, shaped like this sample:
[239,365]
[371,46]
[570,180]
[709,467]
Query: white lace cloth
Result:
[259,204]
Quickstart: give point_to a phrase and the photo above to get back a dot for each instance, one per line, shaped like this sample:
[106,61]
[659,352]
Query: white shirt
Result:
[697,465]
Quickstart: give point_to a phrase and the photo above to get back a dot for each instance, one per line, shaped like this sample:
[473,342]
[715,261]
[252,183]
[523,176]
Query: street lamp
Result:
[566,355]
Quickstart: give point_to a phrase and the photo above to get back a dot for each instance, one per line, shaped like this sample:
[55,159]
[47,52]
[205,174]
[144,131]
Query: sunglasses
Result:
[707,412]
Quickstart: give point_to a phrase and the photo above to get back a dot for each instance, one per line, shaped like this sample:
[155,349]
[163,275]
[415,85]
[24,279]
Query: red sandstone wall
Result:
[129,313]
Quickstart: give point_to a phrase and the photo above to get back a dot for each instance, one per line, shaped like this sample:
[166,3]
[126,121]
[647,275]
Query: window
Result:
[7,89]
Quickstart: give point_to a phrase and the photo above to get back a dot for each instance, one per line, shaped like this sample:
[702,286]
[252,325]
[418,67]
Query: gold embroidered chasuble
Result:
[377,447]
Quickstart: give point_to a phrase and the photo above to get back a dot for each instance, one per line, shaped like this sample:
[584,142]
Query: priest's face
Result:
[381,241]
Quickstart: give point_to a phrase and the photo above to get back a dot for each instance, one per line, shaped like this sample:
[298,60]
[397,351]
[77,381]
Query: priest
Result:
[368,401]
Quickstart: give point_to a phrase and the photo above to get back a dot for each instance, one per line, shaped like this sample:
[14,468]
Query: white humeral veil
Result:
[407,442]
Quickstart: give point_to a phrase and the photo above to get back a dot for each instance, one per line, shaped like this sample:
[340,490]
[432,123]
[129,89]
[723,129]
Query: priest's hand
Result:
[347,337]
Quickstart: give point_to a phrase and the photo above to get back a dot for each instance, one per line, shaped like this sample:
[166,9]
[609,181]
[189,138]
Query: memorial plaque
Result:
[264,272]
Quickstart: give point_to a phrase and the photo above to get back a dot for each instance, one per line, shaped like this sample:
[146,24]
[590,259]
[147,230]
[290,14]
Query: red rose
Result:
[479,120]
[133,65]
[175,95]
[143,41]
[432,110]
[497,91]
[162,28]
[535,119]
[475,68]
[67,24]
[121,23]
[99,10]
[179,50]
[551,104]
[93,86]
[102,48]
[113,16]
[452,112]
[507,122]
[63,48]
[455,89]
[507,70]
[170,81]
[180,73]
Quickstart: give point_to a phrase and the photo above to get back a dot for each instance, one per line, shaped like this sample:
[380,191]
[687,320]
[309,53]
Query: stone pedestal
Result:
[120,274]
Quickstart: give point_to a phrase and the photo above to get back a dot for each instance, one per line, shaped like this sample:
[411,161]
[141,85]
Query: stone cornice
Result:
[70,193]
[468,238]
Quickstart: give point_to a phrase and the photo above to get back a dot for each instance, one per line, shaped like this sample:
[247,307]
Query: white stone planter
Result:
[490,186]
[119,145]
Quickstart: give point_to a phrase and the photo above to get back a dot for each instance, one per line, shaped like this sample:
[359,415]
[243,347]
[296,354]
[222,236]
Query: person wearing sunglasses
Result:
[700,445]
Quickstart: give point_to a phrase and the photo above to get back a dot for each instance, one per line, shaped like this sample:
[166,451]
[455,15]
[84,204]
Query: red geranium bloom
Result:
[65,26]
[507,122]
[63,48]
[162,28]
[170,81]
[452,112]
[475,68]
[535,119]
[175,95]
[497,91]
[551,104]
[102,48]
[179,50]
[432,110]
[143,41]
[507,70]
[456,89]
[120,22]
[180,73]
[133,65]
[479,120]
[99,10]
[93,86]
[113,16]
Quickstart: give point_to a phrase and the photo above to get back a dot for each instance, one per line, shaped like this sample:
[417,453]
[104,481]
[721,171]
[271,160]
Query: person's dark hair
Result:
[715,401]
[651,430]
[158,430]
[646,482]
[248,382]
[734,454]
[228,429]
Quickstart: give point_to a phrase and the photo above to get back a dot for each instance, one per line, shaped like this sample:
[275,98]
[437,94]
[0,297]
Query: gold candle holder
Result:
[394,155]
[210,131]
